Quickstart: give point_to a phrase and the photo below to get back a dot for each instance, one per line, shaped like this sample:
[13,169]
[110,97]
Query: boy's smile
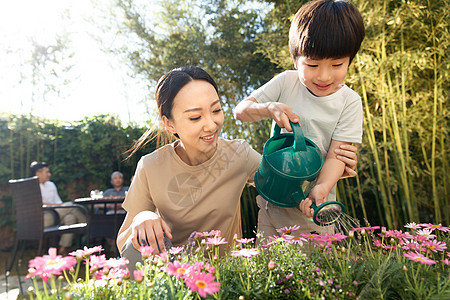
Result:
[322,77]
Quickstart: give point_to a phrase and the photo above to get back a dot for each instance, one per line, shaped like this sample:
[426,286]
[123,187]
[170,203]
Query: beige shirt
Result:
[194,198]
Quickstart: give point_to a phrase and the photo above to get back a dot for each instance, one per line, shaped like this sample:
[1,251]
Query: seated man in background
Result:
[118,188]
[50,197]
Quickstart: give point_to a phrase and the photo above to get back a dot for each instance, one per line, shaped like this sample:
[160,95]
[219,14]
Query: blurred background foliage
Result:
[401,74]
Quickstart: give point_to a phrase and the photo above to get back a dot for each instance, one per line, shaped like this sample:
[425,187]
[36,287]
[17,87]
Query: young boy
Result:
[324,37]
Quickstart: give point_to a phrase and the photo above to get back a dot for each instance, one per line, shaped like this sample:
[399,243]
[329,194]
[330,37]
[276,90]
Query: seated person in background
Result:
[50,197]
[118,188]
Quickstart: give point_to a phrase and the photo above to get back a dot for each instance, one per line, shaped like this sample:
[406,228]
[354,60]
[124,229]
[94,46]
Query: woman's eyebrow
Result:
[215,102]
[198,108]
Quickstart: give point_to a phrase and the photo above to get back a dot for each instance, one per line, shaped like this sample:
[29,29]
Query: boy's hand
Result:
[318,195]
[282,114]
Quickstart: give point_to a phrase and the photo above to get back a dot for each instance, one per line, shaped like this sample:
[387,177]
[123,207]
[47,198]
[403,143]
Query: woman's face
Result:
[197,118]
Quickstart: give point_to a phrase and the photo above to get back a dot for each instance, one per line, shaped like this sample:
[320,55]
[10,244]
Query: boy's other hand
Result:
[282,114]
[348,155]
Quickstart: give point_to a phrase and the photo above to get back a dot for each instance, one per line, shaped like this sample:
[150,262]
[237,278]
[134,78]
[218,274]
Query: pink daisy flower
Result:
[377,243]
[418,257]
[201,234]
[176,269]
[117,263]
[295,239]
[413,225]
[435,246]
[146,251]
[114,273]
[215,233]
[201,266]
[387,246]
[275,239]
[85,252]
[330,238]
[244,240]
[203,283]
[426,232]
[398,234]
[446,262]
[245,252]
[411,246]
[310,236]
[288,230]
[176,250]
[216,241]
[97,262]
[434,226]
[51,264]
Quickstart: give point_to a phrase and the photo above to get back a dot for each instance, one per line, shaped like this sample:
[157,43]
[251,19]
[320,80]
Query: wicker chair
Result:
[30,215]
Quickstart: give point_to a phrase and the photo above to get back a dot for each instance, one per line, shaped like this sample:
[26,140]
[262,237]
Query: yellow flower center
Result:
[181,270]
[52,262]
[420,259]
[200,284]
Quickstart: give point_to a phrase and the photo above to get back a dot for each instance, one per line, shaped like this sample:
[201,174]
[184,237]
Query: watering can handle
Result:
[299,138]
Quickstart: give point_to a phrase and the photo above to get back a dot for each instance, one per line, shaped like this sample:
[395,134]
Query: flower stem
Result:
[87,269]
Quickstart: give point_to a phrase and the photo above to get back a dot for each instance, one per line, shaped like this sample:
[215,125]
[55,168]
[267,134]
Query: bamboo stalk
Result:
[350,197]
[360,197]
[405,123]
[413,216]
[437,210]
[371,137]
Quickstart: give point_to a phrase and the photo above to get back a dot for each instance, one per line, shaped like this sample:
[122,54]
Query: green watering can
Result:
[288,160]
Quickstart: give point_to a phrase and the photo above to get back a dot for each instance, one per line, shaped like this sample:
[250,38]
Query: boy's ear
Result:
[168,124]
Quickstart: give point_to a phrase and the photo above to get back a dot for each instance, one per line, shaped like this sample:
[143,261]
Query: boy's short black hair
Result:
[37,166]
[326,29]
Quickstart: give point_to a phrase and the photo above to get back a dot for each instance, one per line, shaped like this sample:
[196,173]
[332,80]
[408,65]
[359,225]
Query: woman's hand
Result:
[348,154]
[148,229]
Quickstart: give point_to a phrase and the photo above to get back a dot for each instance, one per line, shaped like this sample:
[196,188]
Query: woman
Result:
[196,182]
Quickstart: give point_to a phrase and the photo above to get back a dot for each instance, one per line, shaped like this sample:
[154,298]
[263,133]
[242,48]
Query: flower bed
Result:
[368,263]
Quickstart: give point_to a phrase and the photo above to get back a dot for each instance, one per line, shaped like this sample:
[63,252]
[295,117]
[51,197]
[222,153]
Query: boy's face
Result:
[322,77]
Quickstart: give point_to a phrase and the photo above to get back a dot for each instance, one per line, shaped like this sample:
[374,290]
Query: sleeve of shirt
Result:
[349,126]
[253,160]
[271,91]
[139,197]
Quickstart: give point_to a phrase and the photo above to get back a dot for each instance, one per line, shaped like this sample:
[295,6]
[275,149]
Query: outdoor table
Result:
[103,223]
